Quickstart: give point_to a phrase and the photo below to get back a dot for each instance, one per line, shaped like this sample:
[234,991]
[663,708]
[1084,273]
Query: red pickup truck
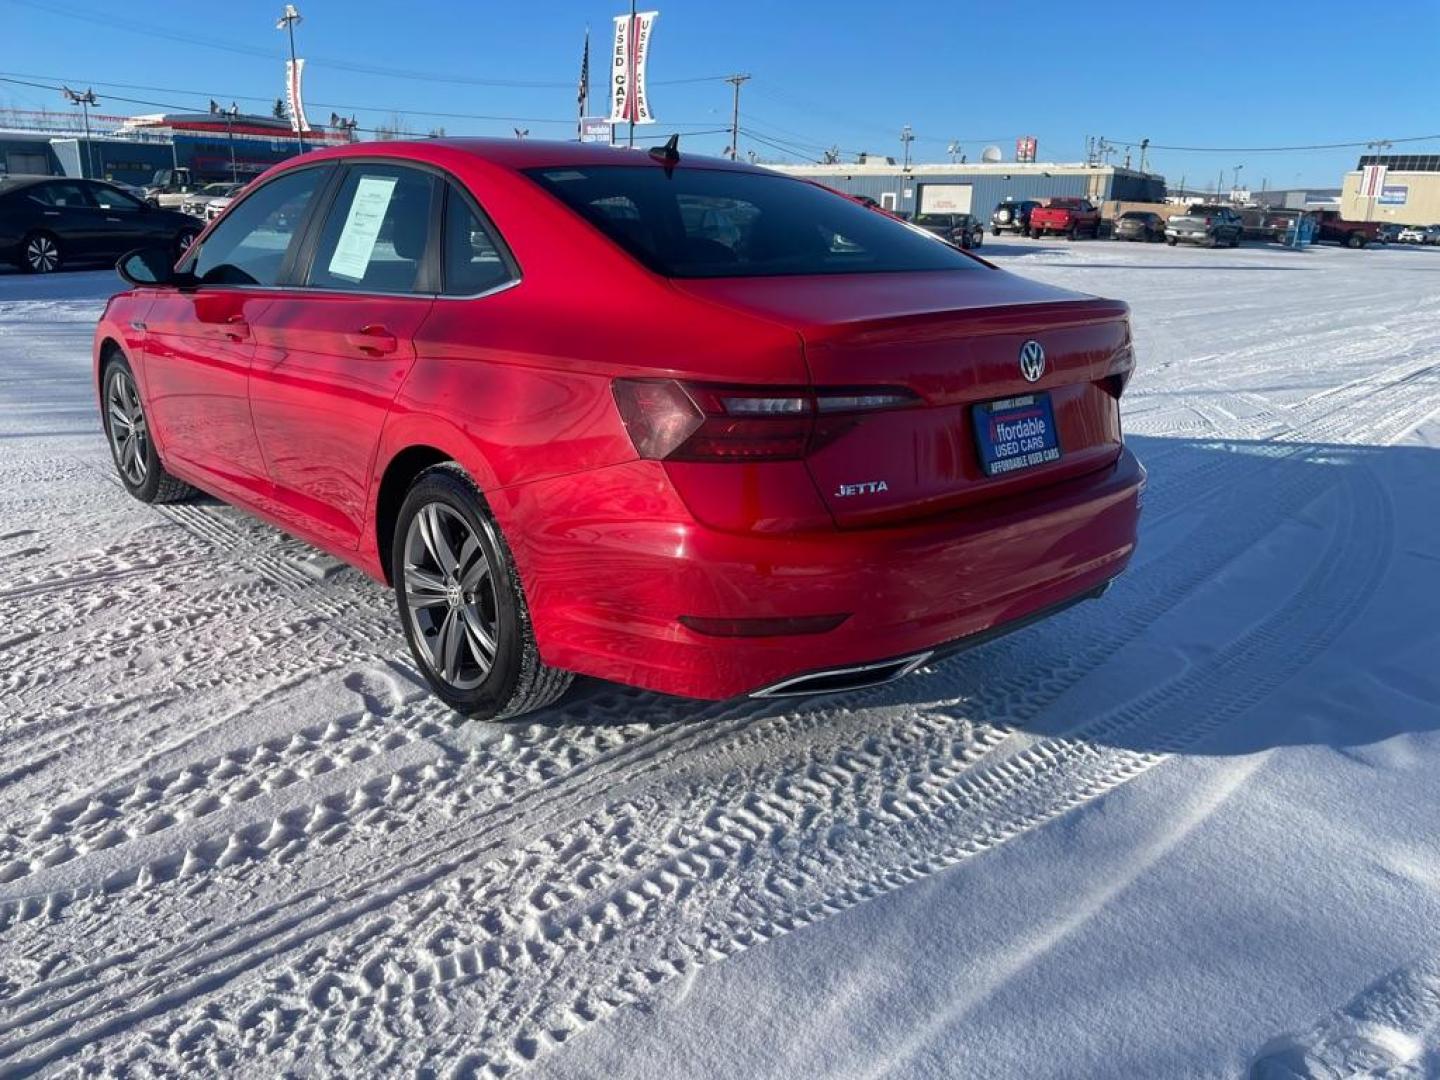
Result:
[1333,229]
[1065,215]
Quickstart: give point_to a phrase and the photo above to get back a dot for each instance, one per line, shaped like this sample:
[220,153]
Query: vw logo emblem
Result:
[1032,361]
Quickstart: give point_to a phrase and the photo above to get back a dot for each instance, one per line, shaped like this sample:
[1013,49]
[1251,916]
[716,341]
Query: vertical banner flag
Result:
[629,103]
[1372,181]
[294,71]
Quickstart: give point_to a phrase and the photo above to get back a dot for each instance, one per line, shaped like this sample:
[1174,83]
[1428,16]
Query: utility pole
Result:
[84,100]
[953,150]
[1234,187]
[906,138]
[1144,146]
[287,22]
[735,81]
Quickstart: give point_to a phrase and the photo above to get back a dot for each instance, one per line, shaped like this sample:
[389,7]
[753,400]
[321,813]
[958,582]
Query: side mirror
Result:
[152,266]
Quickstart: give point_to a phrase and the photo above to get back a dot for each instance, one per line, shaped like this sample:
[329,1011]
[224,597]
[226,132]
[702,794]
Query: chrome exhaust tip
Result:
[840,680]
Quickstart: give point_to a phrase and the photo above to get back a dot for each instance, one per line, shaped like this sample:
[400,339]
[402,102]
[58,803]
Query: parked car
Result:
[1388,233]
[169,188]
[215,207]
[782,467]
[1333,229]
[50,222]
[1432,235]
[962,230]
[1069,217]
[195,203]
[1212,226]
[1140,225]
[1012,216]
[1412,234]
[1276,224]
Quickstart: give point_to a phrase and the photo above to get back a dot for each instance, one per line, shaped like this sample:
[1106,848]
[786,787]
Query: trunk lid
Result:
[954,339]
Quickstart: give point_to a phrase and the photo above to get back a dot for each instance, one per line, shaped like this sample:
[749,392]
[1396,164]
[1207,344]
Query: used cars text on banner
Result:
[629,103]
[294,70]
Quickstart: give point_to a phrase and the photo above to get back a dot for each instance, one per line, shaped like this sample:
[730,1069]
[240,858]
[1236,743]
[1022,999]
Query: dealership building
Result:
[132,149]
[1407,194]
[976,188]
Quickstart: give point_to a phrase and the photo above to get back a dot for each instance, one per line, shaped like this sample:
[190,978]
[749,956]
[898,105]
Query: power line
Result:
[1273,149]
[30,80]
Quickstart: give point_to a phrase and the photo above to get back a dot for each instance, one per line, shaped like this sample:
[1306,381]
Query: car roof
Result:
[519,154]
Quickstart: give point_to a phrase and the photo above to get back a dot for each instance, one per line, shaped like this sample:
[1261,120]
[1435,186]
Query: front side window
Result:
[249,246]
[376,232]
[702,223]
[474,260]
[67,195]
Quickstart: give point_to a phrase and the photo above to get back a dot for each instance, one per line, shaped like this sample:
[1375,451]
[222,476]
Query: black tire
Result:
[1172,241]
[1355,240]
[516,681]
[41,253]
[995,231]
[1073,233]
[143,475]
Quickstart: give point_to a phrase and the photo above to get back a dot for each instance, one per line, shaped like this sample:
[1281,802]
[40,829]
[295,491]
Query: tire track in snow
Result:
[738,878]
[1240,530]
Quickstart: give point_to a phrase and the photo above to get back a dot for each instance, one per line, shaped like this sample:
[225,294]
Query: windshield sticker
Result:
[362,226]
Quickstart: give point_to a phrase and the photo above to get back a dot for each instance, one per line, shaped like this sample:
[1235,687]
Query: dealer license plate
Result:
[1015,433]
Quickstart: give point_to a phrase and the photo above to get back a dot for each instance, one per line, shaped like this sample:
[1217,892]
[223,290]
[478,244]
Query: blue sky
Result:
[838,73]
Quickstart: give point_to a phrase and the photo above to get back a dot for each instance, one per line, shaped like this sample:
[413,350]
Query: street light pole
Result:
[230,136]
[84,100]
[906,138]
[287,22]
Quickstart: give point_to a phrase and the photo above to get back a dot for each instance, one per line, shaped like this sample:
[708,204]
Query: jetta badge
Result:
[1032,360]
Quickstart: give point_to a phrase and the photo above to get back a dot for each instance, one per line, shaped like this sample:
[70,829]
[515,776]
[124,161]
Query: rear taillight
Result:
[673,421]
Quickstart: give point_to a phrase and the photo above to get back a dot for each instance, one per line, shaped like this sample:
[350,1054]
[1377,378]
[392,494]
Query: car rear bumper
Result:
[607,586]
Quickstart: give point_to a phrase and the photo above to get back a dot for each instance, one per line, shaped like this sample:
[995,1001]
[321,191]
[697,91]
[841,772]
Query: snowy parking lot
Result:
[1186,830]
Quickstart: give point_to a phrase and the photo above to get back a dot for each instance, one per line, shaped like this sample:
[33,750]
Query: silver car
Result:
[197,203]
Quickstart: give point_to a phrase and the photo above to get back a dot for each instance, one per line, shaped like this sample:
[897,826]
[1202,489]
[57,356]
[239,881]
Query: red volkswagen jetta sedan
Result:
[669,421]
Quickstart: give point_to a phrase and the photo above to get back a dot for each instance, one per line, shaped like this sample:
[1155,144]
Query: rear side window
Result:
[704,223]
[475,261]
[249,246]
[376,232]
[109,198]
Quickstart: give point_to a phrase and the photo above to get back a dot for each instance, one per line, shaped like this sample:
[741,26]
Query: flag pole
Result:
[630,75]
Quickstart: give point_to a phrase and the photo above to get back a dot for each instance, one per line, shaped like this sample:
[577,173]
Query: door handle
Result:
[112,219]
[234,328]
[373,340]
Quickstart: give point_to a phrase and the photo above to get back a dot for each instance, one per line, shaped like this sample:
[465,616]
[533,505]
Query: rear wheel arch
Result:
[400,473]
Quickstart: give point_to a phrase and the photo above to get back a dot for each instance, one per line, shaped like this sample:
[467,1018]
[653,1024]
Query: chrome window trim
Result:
[314,291]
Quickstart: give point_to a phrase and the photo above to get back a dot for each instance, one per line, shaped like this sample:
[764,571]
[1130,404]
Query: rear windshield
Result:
[709,223]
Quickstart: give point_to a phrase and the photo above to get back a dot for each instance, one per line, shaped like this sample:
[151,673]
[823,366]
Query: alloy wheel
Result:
[450,596]
[129,434]
[42,254]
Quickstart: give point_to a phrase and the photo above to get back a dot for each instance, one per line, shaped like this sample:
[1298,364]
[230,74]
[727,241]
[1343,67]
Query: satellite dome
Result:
[991,155]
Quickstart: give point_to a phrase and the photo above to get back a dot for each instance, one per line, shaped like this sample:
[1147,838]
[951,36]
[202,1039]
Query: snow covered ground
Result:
[1189,830]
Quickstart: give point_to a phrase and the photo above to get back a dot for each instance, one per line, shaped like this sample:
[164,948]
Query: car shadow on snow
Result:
[1274,600]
